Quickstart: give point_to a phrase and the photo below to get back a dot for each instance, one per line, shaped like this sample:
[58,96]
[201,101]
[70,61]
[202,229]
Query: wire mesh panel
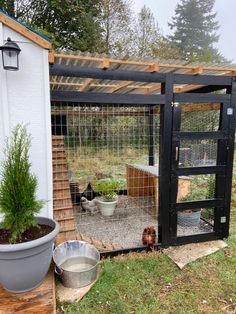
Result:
[197,153]
[199,121]
[108,150]
[198,220]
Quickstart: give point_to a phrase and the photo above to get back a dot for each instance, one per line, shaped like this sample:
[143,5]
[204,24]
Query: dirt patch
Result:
[30,234]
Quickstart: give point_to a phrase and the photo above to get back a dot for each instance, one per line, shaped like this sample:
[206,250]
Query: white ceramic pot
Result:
[107,208]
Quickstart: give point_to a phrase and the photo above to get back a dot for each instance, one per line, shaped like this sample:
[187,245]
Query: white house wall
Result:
[25,98]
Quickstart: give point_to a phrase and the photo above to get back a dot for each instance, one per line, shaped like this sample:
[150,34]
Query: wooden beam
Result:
[120,86]
[51,57]
[186,88]
[196,107]
[58,96]
[117,75]
[24,31]
[201,98]
[154,67]
[202,79]
[86,83]
[195,71]
[69,84]
[111,60]
[103,65]
[152,89]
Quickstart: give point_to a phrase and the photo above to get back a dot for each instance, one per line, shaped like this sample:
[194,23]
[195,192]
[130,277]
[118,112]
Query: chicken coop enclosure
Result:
[166,139]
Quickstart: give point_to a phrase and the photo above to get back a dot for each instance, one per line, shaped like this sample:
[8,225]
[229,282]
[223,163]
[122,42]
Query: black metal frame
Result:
[170,137]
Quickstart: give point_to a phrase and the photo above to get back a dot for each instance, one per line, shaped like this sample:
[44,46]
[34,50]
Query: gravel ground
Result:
[201,228]
[126,226]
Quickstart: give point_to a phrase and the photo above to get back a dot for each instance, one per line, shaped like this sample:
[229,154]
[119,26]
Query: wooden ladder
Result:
[63,211]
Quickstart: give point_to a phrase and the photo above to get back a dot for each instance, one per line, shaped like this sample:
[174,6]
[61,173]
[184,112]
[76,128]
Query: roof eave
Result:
[24,31]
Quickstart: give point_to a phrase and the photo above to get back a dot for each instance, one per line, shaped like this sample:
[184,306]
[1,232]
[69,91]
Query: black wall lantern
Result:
[10,55]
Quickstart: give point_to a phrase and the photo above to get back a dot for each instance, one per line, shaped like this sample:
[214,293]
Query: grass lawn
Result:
[152,283]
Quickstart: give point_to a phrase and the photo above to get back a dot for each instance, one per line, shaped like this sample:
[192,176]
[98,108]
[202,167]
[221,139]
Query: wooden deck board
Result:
[38,301]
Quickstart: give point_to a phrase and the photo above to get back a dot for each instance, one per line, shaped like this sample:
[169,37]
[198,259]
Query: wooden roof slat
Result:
[86,83]
[105,63]
[192,69]
[188,76]
[97,85]
[121,86]
[154,67]
[195,70]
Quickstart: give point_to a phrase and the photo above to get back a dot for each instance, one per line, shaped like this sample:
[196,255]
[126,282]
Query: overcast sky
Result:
[163,10]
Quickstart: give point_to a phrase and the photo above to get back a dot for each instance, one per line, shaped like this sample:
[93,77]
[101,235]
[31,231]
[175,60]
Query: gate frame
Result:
[168,138]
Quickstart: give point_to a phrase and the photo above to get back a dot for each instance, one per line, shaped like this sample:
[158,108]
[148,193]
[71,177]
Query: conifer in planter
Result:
[25,240]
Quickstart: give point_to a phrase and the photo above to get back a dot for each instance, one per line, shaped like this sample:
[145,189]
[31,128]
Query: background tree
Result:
[8,7]
[146,33]
[195,27]
[70,24]
[115,21]
[147,40]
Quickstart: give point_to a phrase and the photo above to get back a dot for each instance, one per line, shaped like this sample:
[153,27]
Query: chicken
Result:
[90,206]
[149,237]
[75,193]
[89,192]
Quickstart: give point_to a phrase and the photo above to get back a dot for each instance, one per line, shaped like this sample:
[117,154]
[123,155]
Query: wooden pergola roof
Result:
[99,85]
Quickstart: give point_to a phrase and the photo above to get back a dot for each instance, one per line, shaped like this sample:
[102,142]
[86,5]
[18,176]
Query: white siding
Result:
[25,98]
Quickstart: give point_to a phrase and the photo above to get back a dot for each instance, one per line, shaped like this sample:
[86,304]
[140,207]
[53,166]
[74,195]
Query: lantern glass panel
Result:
[10,60]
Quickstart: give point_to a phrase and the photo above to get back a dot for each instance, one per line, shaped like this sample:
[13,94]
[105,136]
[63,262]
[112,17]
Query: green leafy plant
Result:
[18,185]
[107,188]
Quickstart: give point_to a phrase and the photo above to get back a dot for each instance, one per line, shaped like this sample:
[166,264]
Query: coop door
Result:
[201,169]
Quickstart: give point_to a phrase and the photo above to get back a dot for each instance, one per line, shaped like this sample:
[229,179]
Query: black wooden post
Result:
[151,153]
[231,113]
[174,166]
[221,178]
[165,162]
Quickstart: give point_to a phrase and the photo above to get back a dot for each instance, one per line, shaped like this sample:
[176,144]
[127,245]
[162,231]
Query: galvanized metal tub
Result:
[77,263]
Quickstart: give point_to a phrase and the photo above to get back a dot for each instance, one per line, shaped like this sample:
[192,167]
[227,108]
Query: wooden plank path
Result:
[38,301]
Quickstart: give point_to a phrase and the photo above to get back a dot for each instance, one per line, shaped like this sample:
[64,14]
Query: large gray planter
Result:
[23,266]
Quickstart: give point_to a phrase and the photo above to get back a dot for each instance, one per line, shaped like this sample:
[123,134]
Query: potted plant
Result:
[108,198]
[190,217]
[26,241]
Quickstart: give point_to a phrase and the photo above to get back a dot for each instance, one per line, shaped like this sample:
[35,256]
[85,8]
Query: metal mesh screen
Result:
[197,153]
[116,143]
[110,143]
[200,121]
